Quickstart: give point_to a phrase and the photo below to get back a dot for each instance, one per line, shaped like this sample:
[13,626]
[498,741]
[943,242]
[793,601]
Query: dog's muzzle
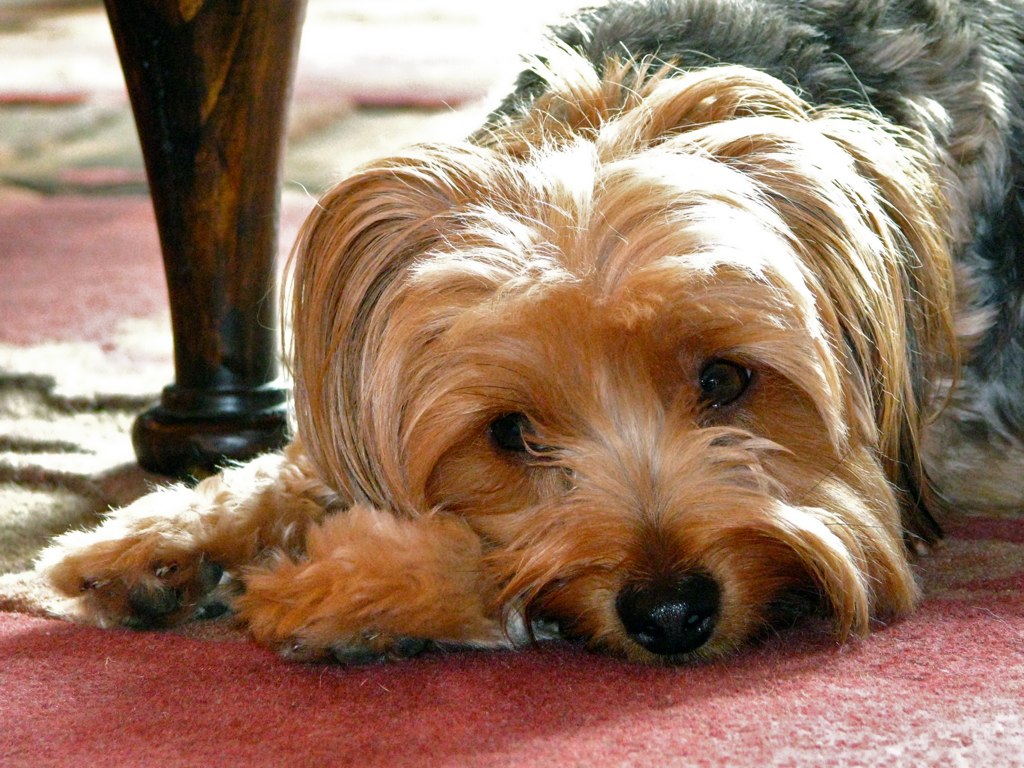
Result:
[670,618]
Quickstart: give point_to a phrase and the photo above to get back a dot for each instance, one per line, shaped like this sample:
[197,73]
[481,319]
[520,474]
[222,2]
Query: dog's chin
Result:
[751,583]
[722,562]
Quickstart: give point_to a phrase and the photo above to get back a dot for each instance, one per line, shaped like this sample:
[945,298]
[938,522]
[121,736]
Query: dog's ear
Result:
[865,205]
[867,213]
[346,271]
[913,223]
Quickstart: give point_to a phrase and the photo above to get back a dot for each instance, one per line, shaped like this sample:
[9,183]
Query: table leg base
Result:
[175,442]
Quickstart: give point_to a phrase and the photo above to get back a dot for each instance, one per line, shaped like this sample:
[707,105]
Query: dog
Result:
[701,331]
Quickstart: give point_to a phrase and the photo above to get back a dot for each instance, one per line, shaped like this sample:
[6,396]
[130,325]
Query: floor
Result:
[371,76]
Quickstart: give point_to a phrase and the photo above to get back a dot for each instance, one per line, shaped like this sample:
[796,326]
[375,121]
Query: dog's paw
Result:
[366,648]
[372,587]
[143,582]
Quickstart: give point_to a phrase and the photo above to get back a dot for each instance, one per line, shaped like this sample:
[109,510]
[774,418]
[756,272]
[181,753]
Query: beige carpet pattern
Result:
[66,411]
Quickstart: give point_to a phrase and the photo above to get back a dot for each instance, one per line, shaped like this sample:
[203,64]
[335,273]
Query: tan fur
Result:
[368,578]
[580,266]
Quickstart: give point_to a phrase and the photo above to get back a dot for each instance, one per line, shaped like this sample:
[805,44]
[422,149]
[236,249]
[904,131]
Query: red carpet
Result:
[64,294]
[944,688]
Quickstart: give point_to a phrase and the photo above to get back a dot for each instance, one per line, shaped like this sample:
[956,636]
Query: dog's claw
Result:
[299,651]
[213,610]
[368,650]
[377,651]
[350,656]
[163,570]
[88,584]
[150,604]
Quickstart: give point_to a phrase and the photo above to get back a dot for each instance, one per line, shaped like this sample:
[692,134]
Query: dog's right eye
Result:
[508,432]
[722,382]
[514,433]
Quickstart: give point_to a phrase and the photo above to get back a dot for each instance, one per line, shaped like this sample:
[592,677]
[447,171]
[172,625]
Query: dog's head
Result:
[662,340]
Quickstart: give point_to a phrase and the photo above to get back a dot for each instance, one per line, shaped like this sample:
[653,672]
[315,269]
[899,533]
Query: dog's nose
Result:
[672,617]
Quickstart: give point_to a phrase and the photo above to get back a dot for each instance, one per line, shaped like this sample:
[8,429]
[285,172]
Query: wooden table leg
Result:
[209,82]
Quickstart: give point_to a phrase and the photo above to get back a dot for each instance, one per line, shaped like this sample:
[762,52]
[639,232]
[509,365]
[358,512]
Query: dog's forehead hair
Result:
[665,220]
[586,268]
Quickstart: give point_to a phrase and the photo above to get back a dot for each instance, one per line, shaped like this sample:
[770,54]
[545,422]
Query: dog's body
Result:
[653,357]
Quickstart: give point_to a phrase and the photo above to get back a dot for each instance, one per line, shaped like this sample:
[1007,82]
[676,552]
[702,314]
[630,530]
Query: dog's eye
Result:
[722,382]
[508,432]
[511,432]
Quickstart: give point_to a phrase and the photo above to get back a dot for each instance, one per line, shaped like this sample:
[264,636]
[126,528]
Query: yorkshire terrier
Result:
[720,305]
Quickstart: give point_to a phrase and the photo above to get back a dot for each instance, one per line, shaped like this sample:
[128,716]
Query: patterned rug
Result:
[85,346]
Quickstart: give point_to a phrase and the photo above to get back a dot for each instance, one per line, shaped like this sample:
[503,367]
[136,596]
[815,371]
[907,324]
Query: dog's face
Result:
[659,360]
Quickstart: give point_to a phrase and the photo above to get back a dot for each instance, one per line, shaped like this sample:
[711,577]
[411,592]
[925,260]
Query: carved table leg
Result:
[209,82]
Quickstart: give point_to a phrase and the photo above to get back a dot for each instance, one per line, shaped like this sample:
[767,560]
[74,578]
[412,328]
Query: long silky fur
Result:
[885,292]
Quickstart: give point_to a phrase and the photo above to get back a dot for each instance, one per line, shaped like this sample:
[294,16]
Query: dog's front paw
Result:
[372,587]
[307,612]
[365,648]
[143,581]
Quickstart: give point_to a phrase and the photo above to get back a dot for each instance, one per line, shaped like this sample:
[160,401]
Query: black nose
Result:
[670,617]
